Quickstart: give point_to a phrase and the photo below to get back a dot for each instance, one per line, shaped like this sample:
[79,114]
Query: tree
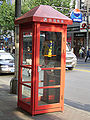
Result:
[7,16]
[7,11]
[60,5]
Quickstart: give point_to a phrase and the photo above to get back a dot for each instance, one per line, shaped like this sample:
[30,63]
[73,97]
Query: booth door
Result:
[49,70]
[25,68]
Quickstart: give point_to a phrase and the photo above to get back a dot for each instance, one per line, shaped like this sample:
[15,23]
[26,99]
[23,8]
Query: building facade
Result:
[77,36]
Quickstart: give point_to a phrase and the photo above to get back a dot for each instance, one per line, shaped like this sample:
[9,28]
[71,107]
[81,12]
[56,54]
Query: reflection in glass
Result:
[26,94]
[50,49]
[26,74]
[27,48]
[26,67]
[49,78]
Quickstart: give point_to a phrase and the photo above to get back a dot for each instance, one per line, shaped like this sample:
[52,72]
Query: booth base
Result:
[27,108]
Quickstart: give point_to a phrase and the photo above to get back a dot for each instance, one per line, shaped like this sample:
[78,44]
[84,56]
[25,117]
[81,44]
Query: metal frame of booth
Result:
[48,90]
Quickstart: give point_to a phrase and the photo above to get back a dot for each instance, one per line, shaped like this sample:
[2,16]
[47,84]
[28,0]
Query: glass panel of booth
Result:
[50,67]
[49,78]
[26,85]
[26,94]
[27,48]
[48,96]
[27,56]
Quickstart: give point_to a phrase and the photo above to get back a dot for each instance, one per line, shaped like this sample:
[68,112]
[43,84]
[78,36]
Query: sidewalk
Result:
[81,60]
[9,110]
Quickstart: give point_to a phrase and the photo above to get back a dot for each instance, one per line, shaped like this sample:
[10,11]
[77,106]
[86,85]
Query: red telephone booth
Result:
[42,49]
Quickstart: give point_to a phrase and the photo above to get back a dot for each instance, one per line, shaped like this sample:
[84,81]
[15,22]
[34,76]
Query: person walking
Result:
[83,49]
[81,53]
[88,54]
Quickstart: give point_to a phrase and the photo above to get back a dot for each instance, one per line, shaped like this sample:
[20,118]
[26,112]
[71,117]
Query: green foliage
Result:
[60,5]
[7,15]
[7,11]
[74,2]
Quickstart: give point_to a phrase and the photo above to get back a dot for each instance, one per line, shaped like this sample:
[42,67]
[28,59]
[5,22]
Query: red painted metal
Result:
[41,14]
[26,66]
[49,106]
[55,86]
[36,20]
[56,68]
[25,84]
[33,82]
[37,64]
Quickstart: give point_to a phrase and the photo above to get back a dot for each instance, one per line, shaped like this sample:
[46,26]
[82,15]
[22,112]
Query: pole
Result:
[17,14]
[17,8]
[80,4]
[87,25]
[14,81]
[87,30]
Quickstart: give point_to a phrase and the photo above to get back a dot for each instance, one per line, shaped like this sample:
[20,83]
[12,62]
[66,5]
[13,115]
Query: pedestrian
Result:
[13,50]
[81,53]
[9,49]
[88,54]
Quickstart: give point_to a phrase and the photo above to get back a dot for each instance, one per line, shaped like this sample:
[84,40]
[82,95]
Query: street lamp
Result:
[87,29]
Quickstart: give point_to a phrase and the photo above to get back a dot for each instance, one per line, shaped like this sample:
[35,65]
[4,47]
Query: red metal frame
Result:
[34,108]
[21,100]
[55,106]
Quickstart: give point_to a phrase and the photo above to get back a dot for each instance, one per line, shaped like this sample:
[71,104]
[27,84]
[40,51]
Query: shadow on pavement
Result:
[85,107]
[10,111]
[44,116]
[7,104]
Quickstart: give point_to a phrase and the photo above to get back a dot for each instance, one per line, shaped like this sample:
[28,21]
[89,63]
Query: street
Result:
[77,86]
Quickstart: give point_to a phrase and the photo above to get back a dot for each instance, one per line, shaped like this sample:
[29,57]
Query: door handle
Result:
[39,68]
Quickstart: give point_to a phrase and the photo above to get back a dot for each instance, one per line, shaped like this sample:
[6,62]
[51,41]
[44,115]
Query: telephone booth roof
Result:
[45,14]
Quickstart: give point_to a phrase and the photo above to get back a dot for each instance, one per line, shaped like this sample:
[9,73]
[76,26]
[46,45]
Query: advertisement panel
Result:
[76,15]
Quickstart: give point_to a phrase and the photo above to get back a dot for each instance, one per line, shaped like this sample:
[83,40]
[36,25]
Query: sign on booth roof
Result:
[76,15]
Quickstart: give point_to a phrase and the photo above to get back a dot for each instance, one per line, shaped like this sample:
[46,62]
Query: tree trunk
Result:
[17,8]
[14,81]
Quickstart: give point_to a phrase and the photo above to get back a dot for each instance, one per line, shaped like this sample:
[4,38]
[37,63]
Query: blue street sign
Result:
[76,15]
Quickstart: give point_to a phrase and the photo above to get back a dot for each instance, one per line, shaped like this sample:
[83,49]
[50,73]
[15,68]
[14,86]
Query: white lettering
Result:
[61,21]
[58,21]
[45,20]
[54,20]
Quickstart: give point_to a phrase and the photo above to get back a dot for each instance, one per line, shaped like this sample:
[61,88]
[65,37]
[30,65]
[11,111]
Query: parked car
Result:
[2,51]
[6,63]
[71,59]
